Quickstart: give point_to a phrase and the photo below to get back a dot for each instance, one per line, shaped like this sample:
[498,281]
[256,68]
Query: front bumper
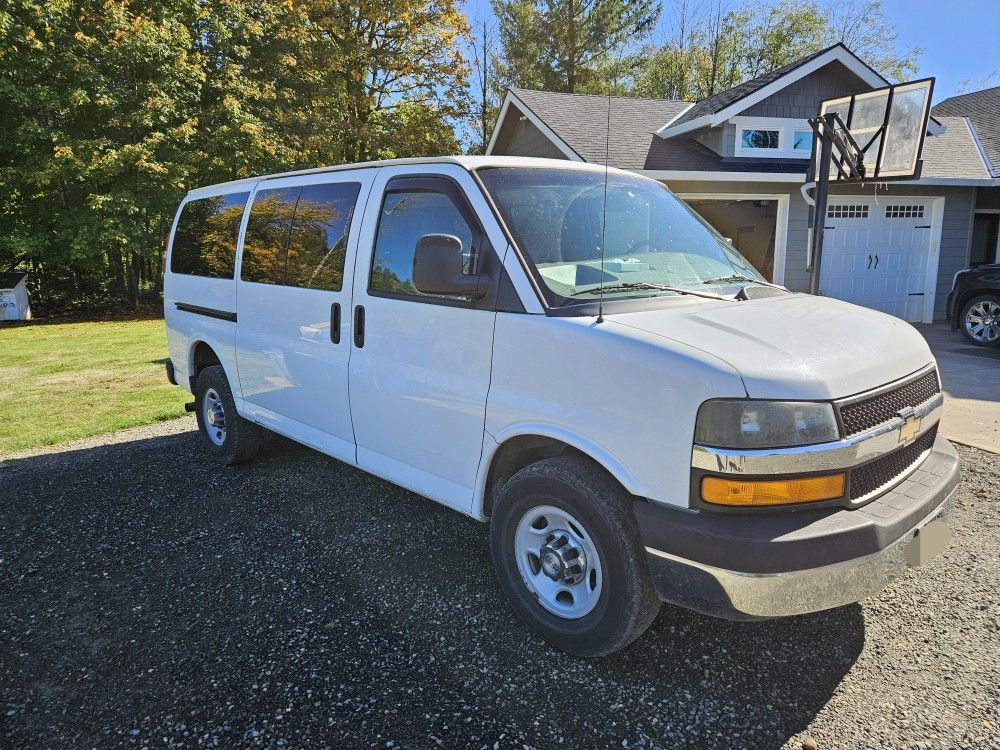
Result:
[747,567]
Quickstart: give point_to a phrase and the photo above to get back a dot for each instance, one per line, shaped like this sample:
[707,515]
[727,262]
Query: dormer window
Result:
[758,138]
[772,137]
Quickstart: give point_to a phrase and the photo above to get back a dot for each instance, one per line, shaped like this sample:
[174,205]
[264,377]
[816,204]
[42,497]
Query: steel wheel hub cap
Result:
[562,559]
[558,561]
[983,321]
[214,415]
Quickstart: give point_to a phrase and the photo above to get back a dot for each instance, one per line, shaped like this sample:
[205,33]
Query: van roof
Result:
[467,162]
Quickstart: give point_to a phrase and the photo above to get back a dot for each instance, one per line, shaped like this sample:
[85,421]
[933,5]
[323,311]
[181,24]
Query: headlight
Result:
[739,423]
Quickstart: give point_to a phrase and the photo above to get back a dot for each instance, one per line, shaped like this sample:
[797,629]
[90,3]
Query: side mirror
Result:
[437,268]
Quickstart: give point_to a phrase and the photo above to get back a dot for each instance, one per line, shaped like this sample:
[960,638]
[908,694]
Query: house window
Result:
[904,212]
[759,138]
[773,137]
[847,211]
[802,140]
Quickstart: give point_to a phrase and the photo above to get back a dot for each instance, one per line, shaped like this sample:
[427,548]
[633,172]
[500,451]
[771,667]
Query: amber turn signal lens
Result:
[754,493]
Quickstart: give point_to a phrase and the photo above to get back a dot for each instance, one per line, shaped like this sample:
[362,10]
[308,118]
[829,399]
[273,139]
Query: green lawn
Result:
[60,381]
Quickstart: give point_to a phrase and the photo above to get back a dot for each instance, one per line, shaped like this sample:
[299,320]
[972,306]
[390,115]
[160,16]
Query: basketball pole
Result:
[823,129]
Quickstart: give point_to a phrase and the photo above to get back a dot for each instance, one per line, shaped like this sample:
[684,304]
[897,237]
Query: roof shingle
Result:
[982,108]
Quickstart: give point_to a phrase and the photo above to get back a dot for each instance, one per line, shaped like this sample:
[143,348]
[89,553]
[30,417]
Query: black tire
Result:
[627,603]
[241,438]
[993,303]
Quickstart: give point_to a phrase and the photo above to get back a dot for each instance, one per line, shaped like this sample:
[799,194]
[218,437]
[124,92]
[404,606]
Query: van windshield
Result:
[655,244]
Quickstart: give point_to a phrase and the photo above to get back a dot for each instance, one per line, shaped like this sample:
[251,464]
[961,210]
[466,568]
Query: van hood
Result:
[793,347]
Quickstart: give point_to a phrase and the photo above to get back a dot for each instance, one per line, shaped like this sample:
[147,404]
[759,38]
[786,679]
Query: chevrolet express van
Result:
[575,357]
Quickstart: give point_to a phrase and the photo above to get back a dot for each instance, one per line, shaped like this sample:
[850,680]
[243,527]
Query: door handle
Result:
[335,322]
[876,261]
[359,326]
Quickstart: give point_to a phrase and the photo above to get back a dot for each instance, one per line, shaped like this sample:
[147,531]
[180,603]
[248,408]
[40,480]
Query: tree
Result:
[567,45]
[377,56]
[713,48]
[113,109]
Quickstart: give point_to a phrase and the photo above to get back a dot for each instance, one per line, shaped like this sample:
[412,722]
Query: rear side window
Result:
[205,238]
[298,236]
[407,215]
[266,238]
[318,239]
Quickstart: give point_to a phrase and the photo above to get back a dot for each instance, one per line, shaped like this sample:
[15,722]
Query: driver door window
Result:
[407,215]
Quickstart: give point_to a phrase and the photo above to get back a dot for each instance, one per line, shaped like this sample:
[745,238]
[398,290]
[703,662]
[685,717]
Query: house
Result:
[739,159]
[981,110]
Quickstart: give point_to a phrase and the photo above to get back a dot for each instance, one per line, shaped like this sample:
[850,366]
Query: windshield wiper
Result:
[648,285]
[728,279]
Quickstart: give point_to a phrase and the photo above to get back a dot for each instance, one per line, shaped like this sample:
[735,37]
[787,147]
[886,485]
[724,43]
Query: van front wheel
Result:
[230,438]
[566,547]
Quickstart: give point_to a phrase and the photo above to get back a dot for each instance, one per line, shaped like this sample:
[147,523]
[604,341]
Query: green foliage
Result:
[569,45]
[113,109]
[715,49]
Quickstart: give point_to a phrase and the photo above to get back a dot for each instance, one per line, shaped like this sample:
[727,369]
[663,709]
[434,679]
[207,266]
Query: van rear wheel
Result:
[566,547]
[230,438]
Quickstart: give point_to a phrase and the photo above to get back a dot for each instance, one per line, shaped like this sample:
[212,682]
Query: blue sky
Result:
[960,38]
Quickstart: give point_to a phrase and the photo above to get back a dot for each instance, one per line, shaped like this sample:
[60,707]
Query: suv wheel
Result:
[566,547]
[230,438]
[980,321]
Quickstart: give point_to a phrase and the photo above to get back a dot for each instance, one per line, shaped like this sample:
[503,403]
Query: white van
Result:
[649,423]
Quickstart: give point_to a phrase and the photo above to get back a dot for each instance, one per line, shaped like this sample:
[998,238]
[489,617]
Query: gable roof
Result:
[719,107]
[578,124]
[723,99]
[982,109]
[580,121]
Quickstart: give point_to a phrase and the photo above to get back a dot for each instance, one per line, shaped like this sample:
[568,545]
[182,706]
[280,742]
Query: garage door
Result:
[875,253]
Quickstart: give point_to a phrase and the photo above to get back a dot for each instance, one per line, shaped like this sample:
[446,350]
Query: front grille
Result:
[866,413]
[867,478]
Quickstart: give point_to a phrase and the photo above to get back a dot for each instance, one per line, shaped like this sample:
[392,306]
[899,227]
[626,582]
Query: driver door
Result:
[420,364]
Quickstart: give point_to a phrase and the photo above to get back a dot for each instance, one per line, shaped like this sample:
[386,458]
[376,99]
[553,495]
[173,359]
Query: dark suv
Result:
[974,304]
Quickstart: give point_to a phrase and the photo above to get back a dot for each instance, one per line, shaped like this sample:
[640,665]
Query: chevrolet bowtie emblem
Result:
[909,430]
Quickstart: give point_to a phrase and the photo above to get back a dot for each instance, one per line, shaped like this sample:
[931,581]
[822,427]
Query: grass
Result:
[60,381]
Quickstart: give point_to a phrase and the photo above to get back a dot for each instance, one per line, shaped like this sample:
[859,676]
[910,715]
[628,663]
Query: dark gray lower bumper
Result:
[773,565]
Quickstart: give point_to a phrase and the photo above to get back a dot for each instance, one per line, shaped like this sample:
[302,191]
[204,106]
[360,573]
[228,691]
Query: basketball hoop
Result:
[876,136]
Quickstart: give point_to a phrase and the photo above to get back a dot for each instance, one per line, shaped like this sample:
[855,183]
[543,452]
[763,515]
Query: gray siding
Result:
[520,137]
[801,99]
[955,232]
[722,140]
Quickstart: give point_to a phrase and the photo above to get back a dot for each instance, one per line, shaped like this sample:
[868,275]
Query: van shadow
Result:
[183,589]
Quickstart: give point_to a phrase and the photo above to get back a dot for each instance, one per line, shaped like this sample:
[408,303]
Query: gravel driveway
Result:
[151,599]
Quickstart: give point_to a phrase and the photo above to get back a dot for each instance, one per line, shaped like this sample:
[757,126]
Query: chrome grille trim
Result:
[866,411]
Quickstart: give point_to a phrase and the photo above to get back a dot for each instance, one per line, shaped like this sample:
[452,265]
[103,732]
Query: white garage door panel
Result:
[876,261]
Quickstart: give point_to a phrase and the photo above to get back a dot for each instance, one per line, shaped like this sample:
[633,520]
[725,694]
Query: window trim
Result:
[787,127]
[743,129]
[485,261]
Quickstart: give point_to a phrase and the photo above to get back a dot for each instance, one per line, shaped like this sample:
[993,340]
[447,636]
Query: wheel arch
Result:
[202,354]
[513,449]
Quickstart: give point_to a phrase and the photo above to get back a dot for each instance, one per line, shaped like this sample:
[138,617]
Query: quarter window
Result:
[408,215]
[756,138]
[205,238]
[267,235]
[318,240]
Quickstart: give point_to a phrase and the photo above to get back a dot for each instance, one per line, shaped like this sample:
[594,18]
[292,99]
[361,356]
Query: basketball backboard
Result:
[887,126]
